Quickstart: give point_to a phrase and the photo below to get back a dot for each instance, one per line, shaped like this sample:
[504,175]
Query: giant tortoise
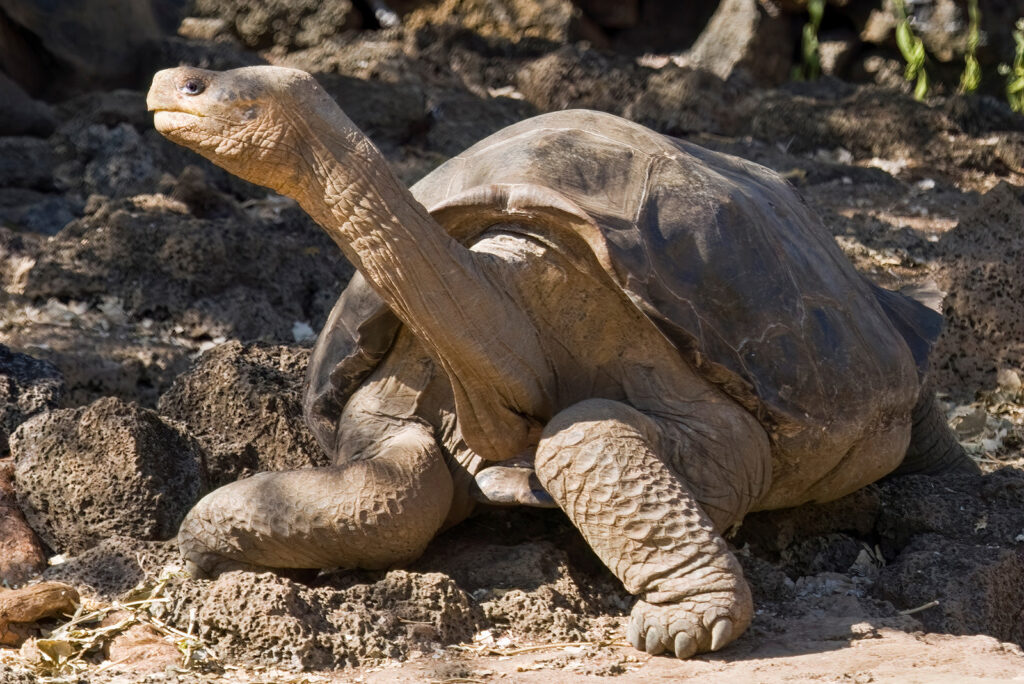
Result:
[666,334]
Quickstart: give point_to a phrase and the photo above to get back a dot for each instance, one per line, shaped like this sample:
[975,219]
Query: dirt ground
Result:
[179,304]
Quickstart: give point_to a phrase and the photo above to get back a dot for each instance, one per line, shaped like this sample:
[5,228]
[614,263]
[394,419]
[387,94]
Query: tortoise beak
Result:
[174,108]
[175,90]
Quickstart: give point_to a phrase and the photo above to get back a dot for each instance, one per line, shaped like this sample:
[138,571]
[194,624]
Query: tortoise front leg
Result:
[373,513]
[599,460]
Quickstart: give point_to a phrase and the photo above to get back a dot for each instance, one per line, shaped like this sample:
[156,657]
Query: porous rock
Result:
[86,474]
[834,552]
[979,587]
[114,566]
[908,541]
[772,532]
[270,619]
[286,24]
[940,24]
[110,357]
[968,508]
[511,20]
[663,27]
[244,405]
[27,386]
[981,268]
[249,278]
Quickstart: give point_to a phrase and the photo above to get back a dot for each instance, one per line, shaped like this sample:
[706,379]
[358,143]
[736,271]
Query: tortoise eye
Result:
[192,86]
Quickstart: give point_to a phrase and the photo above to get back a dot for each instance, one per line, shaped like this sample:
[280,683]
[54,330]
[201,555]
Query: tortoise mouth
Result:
[165,120]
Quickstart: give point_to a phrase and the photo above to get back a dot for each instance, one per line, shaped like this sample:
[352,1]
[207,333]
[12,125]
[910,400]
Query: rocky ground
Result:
[157,316]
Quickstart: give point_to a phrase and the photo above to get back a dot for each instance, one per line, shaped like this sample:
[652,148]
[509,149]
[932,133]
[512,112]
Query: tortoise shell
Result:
[720,253]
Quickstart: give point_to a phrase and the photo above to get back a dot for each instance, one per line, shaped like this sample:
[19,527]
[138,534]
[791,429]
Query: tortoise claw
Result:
[511,486]
[656,638]
[721,633]
[685,645]
[633,635]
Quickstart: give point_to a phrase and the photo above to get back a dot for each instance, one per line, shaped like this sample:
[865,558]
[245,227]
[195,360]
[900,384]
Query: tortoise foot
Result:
[374,513]
[706,622]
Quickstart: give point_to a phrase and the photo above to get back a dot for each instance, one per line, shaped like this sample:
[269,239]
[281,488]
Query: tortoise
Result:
[665,336]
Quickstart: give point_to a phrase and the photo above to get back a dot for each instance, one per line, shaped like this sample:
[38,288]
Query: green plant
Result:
[970,79]
[1015,74]
[912,50]
[810,68]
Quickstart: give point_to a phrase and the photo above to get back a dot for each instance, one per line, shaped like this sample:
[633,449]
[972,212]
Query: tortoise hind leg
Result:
[933,446]
[599,461]
[372,513]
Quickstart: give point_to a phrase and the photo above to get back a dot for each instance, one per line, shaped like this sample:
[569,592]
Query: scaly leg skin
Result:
[598,459]
[373,513]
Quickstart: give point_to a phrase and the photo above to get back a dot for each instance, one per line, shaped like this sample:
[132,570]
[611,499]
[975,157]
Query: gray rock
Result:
[681,101]
[53,47]
[112,161]
[18,251]
[244,405]
[87,474]
[661,27]
[612,14]
[27,386]
[26,163]
[21,115]
[510,21]
[108,109]
[459,119]
[45,215]
[388,112]
[574,77]
[288,24]
[743,35]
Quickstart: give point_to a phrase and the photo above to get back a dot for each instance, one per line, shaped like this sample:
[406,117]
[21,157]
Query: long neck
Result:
[484,342]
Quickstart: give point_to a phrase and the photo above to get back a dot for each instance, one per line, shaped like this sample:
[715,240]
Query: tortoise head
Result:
[260,123]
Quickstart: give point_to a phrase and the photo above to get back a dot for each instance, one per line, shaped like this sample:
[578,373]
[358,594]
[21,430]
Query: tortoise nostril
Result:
[192,86]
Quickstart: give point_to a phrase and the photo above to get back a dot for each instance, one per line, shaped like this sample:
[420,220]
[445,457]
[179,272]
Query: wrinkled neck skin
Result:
[481,338]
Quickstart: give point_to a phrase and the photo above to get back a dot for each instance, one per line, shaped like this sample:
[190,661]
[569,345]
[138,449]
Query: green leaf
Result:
[816,9]
[970,79]
[917,56]
[921,89]
[904,40]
